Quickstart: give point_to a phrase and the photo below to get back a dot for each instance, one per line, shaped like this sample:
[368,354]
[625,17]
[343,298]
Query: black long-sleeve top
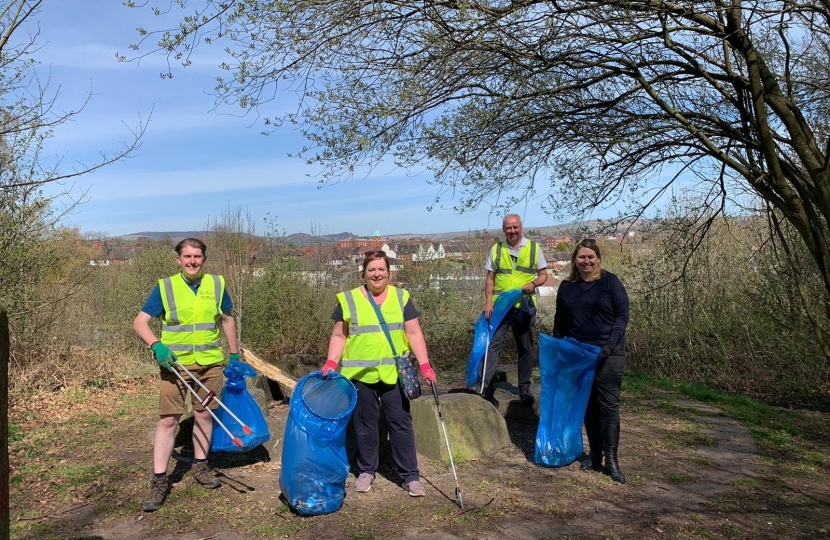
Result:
[594,312]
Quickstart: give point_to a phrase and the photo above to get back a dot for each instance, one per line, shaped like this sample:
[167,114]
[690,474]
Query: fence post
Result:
[4,424]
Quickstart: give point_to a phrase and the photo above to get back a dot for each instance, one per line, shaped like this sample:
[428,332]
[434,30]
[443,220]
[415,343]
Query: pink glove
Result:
[329,366]
[428,374]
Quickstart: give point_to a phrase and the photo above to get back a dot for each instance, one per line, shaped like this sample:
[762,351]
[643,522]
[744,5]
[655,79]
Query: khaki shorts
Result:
[172,392]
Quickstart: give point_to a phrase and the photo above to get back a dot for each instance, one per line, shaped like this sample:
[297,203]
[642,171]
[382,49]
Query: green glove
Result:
[234,357]
[164,356]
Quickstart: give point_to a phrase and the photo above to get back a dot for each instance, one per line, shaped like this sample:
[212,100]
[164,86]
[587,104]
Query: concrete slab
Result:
[474,427]
[511,407]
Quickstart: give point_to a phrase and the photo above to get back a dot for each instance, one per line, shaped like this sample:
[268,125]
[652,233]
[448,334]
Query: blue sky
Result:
[194,164]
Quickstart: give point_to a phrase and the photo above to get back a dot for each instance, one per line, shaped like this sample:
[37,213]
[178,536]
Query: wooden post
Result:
[5,346]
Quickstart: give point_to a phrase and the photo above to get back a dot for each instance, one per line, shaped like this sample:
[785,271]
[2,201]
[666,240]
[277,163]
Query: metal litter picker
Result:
[486,350]
[458,498]
[211,397]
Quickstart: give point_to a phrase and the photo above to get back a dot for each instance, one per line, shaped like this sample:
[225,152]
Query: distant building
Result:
[550,242]
[111,255]
[376,240]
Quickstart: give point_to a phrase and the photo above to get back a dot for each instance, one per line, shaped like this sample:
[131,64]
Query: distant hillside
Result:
[304,239]
[158,235]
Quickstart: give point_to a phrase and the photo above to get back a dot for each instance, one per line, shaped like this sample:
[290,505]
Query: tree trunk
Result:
[4,424]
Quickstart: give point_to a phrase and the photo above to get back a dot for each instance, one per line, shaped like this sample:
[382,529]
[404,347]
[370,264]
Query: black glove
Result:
[605,352]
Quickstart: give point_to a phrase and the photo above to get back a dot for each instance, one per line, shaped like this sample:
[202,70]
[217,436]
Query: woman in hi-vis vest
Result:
[364,353]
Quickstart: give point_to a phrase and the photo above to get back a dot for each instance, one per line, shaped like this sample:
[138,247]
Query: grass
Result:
[457,460]
[772,427]
[677,478]
[15,433]
[62,467]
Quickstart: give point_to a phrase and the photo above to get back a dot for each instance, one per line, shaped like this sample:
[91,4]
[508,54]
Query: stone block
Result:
[261,399]
[508,373]
[509,404]
[300,365]
[474,427]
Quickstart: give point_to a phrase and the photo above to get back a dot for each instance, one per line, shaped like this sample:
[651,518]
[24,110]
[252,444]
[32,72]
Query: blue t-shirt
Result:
[154,307]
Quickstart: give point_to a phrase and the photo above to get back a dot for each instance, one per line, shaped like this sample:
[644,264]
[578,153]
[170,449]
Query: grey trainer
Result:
[158,492]
[416,488]
[203,474]
[364,482]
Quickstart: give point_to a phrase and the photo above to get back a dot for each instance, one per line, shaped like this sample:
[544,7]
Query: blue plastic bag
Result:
[484,331]
[567,369]
[236,397]
[314,462]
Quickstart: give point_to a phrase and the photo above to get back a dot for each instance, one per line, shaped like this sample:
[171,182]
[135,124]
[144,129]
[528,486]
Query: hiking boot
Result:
[364,482]
[158,492]
[205,476]
[527,398]
[416,488]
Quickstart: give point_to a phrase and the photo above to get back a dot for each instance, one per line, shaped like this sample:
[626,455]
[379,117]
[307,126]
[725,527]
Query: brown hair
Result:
[191,242]
[591,244]
[376,255]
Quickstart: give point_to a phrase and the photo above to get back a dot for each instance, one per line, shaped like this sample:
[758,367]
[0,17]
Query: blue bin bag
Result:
[314,462]
[236,397]
[567,369]
[484,327]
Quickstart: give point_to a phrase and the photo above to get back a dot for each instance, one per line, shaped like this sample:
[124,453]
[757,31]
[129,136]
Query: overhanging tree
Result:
[588,101]
[28,114]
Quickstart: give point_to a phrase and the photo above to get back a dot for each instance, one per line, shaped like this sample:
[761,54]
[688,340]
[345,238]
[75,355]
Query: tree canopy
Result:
[587,101]
[28,114]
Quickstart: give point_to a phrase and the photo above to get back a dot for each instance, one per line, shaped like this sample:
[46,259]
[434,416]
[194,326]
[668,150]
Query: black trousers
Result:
[522,333]
[604,401]
[370,397]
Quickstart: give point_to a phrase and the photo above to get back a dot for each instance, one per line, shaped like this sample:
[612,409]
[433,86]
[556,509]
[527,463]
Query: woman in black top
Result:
[592,307]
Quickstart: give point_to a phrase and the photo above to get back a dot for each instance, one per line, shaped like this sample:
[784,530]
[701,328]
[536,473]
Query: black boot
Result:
[594,460]
[610,440]
[592,463]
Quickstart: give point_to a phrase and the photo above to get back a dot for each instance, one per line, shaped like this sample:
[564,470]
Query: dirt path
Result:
[687,466]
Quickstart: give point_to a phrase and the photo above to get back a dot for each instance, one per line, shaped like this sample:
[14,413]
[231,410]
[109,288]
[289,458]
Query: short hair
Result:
[191,242]
[508,216]
[591,244]
[375,255]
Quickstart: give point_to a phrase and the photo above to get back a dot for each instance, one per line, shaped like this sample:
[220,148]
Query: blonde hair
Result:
[574,275]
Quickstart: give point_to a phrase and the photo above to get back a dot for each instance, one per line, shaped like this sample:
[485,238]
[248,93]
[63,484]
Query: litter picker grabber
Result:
[458,498]
[486,350]
[211,396]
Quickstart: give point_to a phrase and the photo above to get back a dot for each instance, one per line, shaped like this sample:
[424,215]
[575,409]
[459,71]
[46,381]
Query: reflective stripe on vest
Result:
[500,247]
[357,329]
[508,277]
[190,323]
[368,363]
[364,358]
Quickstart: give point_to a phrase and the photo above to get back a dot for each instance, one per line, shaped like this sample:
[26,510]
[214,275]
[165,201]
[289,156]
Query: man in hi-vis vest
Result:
[193,308]
[514,263]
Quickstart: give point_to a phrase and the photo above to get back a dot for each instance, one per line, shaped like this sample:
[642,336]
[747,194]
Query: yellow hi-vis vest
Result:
[368,356]
[509,277]
[191,321]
